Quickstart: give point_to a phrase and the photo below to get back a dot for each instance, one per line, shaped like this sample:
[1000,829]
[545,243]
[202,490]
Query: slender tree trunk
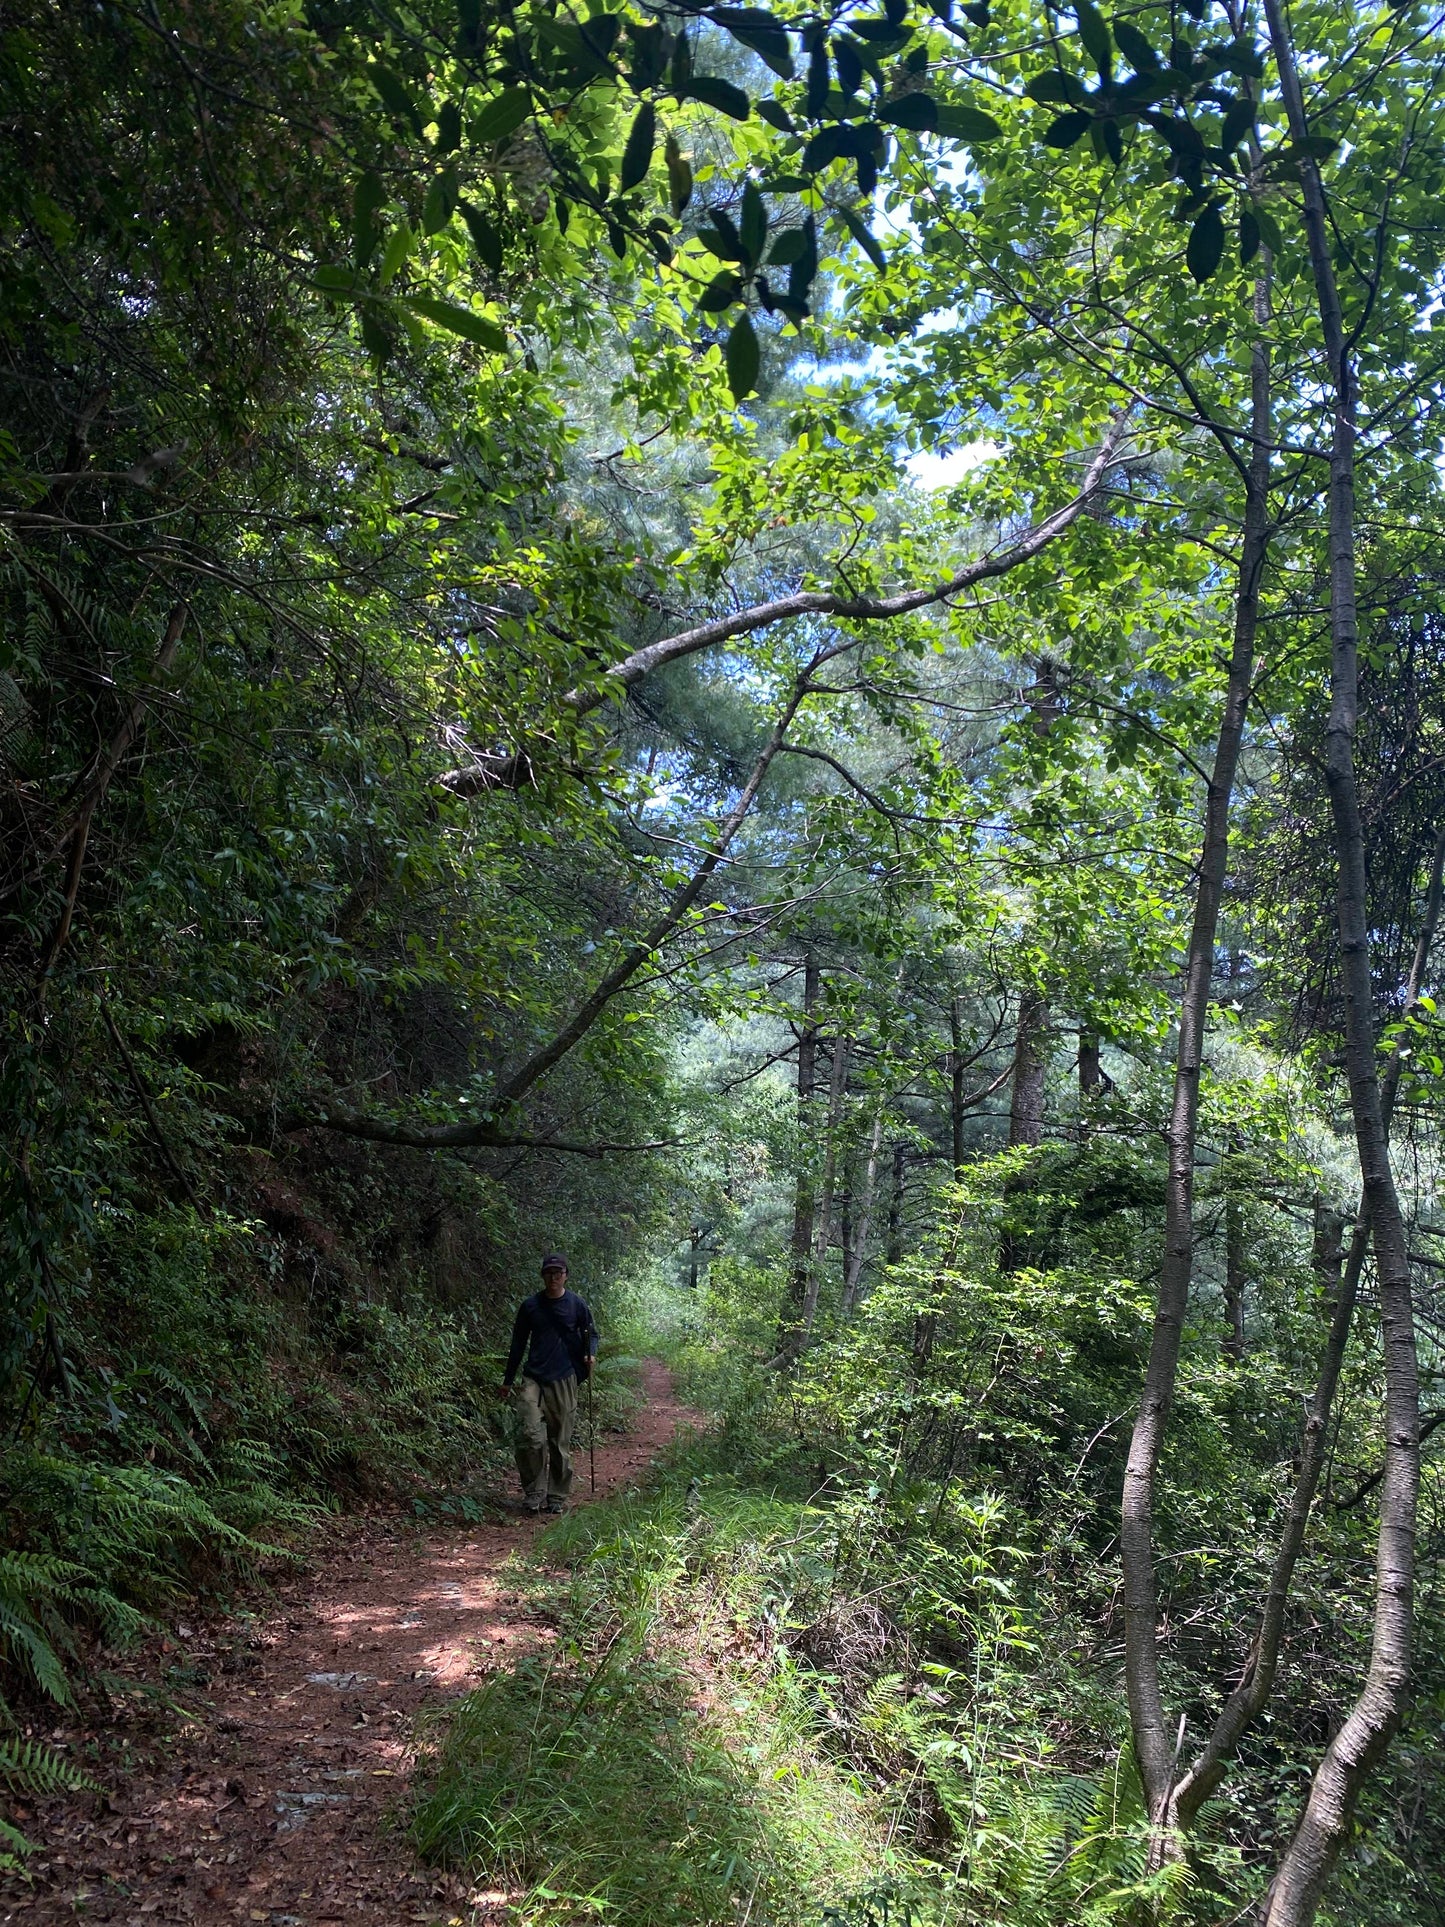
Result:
[1234,1281]
[1154,1742]
[894,1249]
[1250,1697]
[858,1247]
[1372,1720]
[955,1095]
[800,1244]
[837,1091]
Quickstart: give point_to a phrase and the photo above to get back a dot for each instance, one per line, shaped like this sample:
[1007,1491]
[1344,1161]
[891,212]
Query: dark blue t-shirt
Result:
[555,1333]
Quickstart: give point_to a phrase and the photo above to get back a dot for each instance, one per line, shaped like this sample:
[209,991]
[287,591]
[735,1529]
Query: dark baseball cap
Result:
[554,1261]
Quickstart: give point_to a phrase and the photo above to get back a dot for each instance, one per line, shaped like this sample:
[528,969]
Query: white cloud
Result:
[943,471]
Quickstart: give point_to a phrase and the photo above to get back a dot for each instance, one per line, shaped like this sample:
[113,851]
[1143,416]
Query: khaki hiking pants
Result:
[542,1438]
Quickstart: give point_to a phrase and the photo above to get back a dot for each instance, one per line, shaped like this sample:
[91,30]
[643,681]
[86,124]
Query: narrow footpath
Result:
[281,1800]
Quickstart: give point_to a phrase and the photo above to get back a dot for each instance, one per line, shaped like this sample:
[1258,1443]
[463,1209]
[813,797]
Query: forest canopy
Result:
[797,650]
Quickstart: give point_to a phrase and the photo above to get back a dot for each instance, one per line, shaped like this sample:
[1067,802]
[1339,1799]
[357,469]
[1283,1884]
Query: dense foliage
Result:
[795,651]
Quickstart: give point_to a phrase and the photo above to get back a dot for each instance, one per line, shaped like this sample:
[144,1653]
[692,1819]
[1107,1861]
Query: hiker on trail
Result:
[555,1330]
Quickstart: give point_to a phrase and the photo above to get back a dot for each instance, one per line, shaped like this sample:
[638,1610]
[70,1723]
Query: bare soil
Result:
[279,1795]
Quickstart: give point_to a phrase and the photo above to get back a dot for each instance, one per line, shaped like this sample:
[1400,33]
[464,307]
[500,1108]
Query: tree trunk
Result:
[800,1244]
[894,1250]
[1026,1107]
[1373,1718]
[837,1091]
[955,1096]
[858,1245]
[1155,1744]
[1250,1697]
[1234,1280]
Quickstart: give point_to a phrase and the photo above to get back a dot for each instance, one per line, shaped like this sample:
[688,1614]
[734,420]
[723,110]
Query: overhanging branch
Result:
[517,772]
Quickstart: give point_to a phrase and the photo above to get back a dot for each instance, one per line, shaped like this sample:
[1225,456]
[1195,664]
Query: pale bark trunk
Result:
[858,1245]
[837,1091]
[955,1095]
[1373,1719]
[1155,1745]
[1250,1697]
[804,1203]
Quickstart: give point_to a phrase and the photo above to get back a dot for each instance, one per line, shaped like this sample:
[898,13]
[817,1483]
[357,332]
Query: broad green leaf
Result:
[367,202]
[395,95]
[816,98]
[1067,128]
[864,238]
[1053,88]
[1237,123]
[960,123]
[753,224]
[500,116]
[1249,235]
[721,94]
[449,127]
[848,65]
[637,154]
[396,251]
[917,112]
[763,32]
[485,238]
[440,203]
[1134,47]
[742,357]
[1206,244]
[679,174]
[1095,36]
[788,246]
[459,321]
[721,292]
[775,115]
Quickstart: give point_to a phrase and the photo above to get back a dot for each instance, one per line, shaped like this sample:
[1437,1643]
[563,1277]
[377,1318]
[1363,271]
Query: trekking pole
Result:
[591,1430]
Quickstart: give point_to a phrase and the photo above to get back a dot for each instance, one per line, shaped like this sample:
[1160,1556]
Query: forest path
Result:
[279,1801]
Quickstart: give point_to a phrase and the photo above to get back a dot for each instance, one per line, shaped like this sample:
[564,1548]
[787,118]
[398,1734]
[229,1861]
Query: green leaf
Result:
[440,203]
[816,97]
[395,94]
[824,148]
[721,94]
[790,245]
[1053,88]
[367,203]
[917,112]
[753,225]
[848,65]
[803,269]
[864,238]
[1268,229]
[679,174]
[449,128]
[1249,236]
[760,30]
[959,123]
[500,116]
[723,239]
[334,280]
[742,357]
[1067,128]
[1134,47]
[1237,123]
[1206,244]
[637,154]
[1095,36]
[485,238]
[396,251]
[459,321]
[775,115]
[721,292]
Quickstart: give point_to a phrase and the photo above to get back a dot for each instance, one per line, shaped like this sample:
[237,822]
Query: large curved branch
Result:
[516,771]
[485,1129]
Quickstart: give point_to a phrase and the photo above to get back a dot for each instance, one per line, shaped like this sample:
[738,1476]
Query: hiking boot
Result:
[556,1505]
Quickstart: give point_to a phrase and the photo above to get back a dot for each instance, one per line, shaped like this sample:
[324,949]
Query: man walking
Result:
[554,1329]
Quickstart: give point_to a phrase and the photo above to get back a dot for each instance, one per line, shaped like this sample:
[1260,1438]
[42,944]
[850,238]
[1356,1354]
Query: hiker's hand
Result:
[504,1392]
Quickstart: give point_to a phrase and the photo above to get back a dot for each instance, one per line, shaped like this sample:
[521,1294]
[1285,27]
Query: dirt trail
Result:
[278,1804]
